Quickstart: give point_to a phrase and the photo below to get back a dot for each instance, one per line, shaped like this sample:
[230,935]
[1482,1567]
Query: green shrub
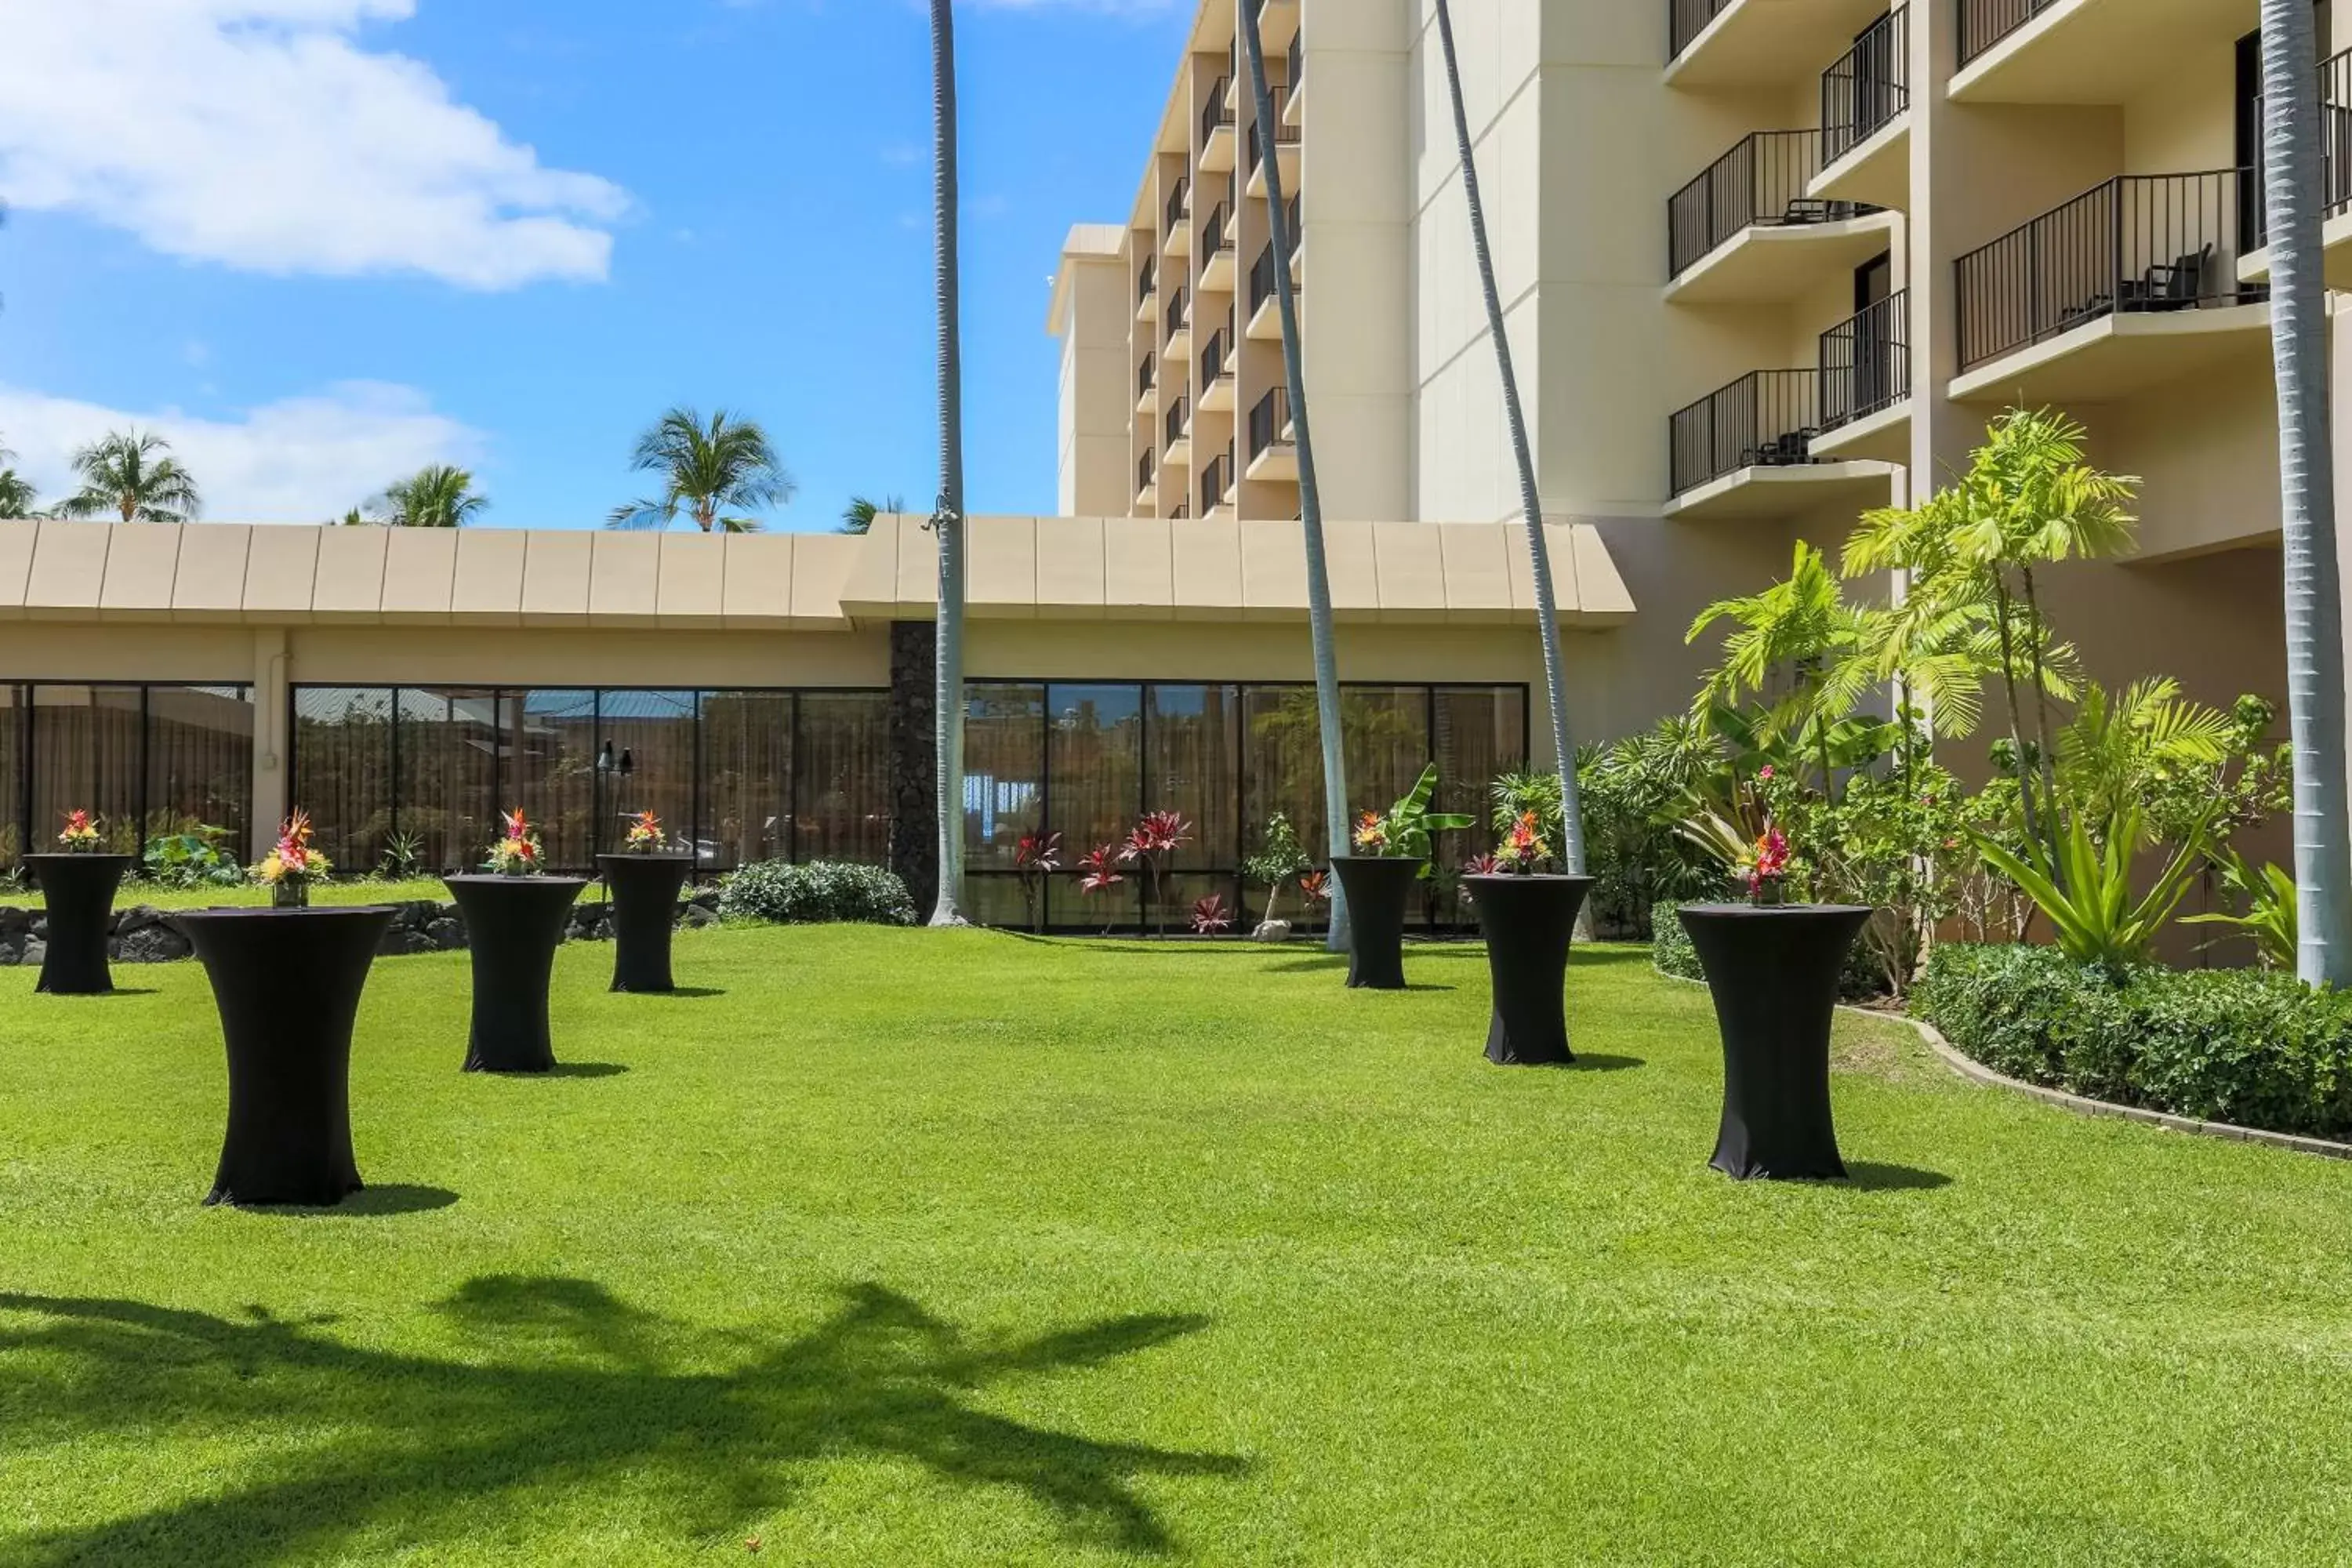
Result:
[819,893]
[1671,950]
[2237,1046]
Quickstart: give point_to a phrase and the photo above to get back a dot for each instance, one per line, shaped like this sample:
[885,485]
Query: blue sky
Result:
[321,242]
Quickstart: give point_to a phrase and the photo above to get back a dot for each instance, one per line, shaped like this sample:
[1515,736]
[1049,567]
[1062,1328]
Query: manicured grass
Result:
[249,896]
[905,1248]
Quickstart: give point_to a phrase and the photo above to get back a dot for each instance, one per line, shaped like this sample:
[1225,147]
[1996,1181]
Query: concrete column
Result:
[273,740]
[914,760]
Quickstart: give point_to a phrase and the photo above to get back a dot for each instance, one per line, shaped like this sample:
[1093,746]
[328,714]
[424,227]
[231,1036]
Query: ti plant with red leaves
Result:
[1035,860]
[1159,835]
[1211,918]
[1098,872]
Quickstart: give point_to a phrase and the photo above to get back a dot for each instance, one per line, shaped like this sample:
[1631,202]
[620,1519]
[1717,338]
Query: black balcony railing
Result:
[1178,320]
[1216,359]
[1298,212]
[1984,23]
[1269,423]
[1760,182]
[1284,135]
[1767,418]
[1686,19]
[1180,419]
[1146,281]
[1868,86]
[2136,242]
[2335,151]
[1217,480]
[1216,114]
[1147,472]
[1262,278]
[1180,203]
[1865,362]
[1144,375]
[1298,57]
[1214,238]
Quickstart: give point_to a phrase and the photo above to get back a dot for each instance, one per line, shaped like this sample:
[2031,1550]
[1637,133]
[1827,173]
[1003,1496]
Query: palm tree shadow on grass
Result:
[579,1392]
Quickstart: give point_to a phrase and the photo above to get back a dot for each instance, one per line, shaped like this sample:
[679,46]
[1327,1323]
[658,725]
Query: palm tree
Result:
[1800,632]
[712,470]
[947,516]
[2314,641]
[17,497]
[858,516]
[1530,503]
[127,474]
[1310,500]
[436,496]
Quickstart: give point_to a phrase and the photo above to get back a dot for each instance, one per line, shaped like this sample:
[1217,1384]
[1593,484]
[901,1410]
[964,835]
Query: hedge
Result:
[1671,950]
[2237,1046]
[781,893]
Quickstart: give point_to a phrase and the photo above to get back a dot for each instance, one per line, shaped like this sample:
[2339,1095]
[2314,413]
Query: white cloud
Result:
[303,459]
[264,134]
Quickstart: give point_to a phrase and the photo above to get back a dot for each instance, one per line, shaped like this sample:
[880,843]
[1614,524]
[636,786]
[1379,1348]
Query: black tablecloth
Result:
[513,926]
[645,917]
[79,890]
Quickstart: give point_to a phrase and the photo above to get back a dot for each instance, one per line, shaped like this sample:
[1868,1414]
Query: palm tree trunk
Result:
[2025,774]
[2048,741]
[949,520]
[2314,614]
[1563,740]
[1310,500]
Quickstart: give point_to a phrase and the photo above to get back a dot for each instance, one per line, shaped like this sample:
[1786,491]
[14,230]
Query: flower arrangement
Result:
[1525,847]
[644,836]
[518,852]
[291,867]
[1403,832]
[1765,866]
[81,835]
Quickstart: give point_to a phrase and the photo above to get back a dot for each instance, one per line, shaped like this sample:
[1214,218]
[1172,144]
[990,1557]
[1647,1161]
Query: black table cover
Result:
[1774,973]
[513,925]
[79,890]
[1528,922]
[1379,889]
[645,917]
[288,983]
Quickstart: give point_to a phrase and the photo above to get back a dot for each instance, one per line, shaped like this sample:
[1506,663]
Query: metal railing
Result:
[1298,211]
[1214,238]
[1269,423]
[1147,280]
[1262,278]
[1180,419]
[1865,362]
[1760,182]
[1144,375]
[1284,135]
[2136,242]
[1180,203]
[2335,151]
[1298,57]
[1686,19]
[1214,115]
[1868,86]
[1767,418]
[1217,480]
[1177,318]
[1215,357]
[1984,23]
[1147,472]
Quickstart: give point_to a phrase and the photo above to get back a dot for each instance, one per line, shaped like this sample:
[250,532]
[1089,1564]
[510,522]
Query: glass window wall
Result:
[150,760]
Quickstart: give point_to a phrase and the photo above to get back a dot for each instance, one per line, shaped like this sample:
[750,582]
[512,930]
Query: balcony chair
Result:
[2175,285]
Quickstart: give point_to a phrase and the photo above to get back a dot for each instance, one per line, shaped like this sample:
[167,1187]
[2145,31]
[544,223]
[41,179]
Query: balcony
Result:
[1217,371]
[1217,249]
[1748,232]
[1297,213]
[1720,44]
[1147,481]
[1748,451]
[1866,119]
[1217,483]
[1178,427]
[1294,107]
[1286,140]
[1179,327]
[1217,129]
[1865,384]
[1266,312]
[2088,51]
[1147,387]
[1272,442]
[2132,284]
[2335,184]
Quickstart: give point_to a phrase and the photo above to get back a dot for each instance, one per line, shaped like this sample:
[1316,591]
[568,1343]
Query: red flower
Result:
[1210,916]
[1767,774]
[1771,860]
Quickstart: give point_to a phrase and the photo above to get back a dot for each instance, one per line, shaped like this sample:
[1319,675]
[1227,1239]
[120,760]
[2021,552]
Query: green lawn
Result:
[250,896]
[910,1248]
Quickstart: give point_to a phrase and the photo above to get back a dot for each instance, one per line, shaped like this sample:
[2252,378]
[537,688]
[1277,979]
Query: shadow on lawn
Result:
[578,1391]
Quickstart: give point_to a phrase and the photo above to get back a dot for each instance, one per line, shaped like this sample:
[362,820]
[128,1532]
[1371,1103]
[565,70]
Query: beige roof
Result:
[1089,244]
[1053,568]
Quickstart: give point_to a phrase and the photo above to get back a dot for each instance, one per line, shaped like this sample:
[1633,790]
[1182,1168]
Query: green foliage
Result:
[712,470]
[438,495]
[1405,831]
[403,856]
[199,857]
[2272,920]
[126,474]
[2238,1045]
[1281,860]
[820,892]
[2086,889]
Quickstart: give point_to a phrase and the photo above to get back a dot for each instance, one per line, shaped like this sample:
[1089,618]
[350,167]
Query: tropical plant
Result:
[1098,872]
[17,499]
[2085,889]
[1314,887]
[858,516]
[2269,921]
[1280,860]
[1035,860]
[403,856]
[1405,830]
[1148,844]
[1310,495]
[195,858]
[2119,750]
[1799,642]
[1210,917]
[714,471]
[128,473]
[779,892]
[435,496]
[2293,185]
[948,515]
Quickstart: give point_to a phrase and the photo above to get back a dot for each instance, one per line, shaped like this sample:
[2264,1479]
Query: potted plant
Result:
[514,914]
[1280,861]
[292,868]
[1527,911]
[1772,966]
[645,880]
[1393,852]
[78,884]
